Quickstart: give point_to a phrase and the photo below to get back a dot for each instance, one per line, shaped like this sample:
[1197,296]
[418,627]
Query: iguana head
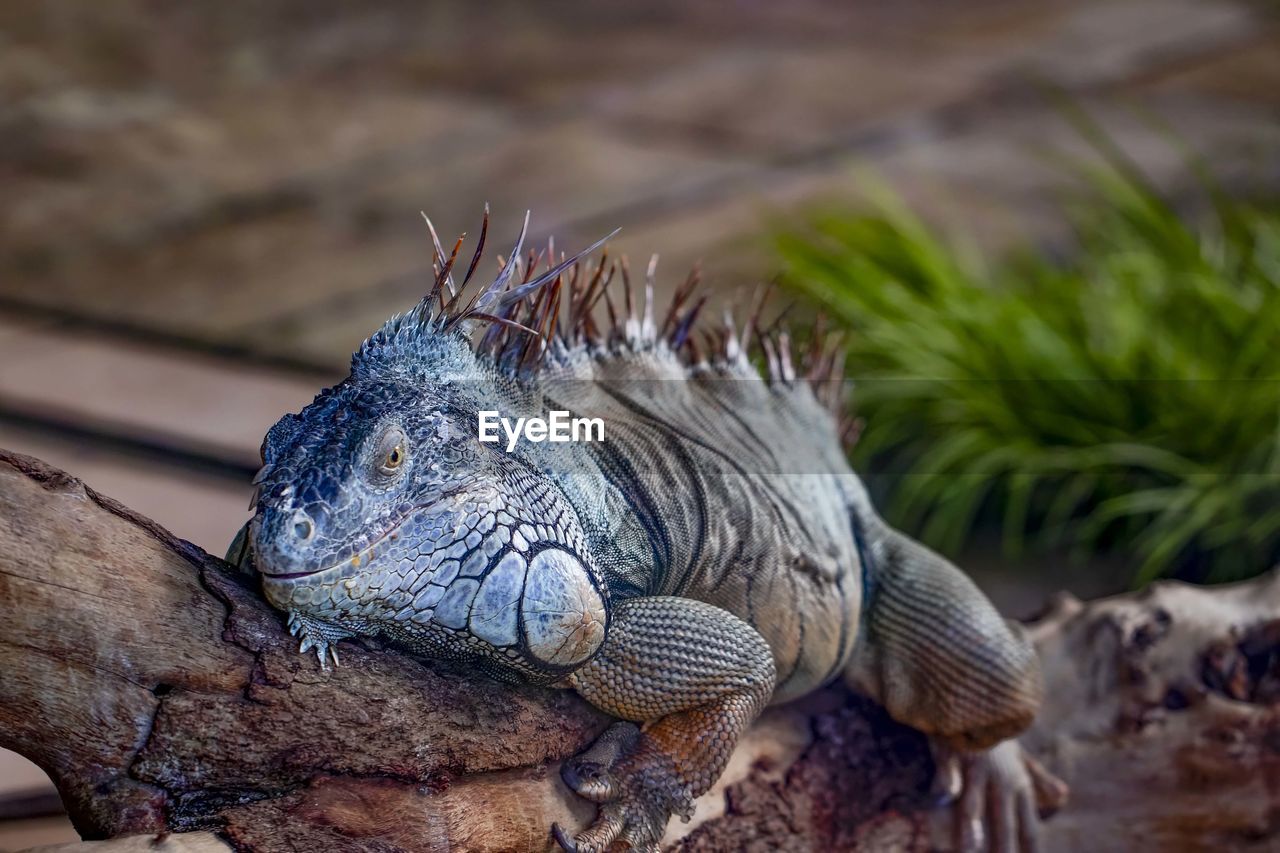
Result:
[342,478]
[361,485]
[380,512]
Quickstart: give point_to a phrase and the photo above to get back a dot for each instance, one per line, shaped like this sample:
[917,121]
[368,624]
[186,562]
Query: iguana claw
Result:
[589,774]
[1000,795]
[320,645]
[317,635]
[637,790]
[563,838]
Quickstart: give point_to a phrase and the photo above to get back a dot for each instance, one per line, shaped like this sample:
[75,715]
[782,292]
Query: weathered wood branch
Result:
[1163,713]
[162,694]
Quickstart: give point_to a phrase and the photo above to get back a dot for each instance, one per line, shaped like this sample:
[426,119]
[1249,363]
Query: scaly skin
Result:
[712,555]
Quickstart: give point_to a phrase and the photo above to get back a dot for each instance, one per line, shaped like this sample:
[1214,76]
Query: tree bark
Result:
[1162,711]
[163,695]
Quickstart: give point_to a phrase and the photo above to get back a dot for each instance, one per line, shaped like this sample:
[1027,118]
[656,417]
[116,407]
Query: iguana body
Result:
[713,554]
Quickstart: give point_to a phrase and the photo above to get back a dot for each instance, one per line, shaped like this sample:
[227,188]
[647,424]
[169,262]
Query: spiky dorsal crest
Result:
[533,316]
[435,325]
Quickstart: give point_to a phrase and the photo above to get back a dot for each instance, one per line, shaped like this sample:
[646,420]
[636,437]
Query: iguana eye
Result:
[391,453]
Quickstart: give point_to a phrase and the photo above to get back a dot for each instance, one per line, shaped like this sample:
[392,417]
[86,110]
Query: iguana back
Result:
[701,490]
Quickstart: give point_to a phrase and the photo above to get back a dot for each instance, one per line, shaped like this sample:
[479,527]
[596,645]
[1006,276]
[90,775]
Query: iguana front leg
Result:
[694,676]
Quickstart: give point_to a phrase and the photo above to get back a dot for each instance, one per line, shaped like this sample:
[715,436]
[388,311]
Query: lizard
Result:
[714,554]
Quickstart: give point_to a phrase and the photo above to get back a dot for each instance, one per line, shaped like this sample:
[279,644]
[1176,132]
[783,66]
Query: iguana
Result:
[714,554]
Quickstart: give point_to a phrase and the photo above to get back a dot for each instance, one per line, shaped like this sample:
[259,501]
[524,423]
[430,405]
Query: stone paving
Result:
[206,207]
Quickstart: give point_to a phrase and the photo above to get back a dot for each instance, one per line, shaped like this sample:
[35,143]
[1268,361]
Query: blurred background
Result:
[206,206]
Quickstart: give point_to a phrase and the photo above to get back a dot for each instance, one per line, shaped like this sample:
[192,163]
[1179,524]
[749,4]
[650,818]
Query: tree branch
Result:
[162,694]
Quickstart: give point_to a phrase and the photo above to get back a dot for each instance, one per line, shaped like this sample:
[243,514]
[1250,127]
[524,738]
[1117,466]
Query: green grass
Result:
[1127,397]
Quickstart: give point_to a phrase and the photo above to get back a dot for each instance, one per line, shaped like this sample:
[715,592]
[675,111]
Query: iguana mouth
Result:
[362,556]
[356,559]
[295,575]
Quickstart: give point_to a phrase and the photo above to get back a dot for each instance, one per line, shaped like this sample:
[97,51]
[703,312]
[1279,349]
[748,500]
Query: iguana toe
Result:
[589,780]
[638,792]
[316,635]
[1051,792]
[642,838]
[997,807]
[635,823]
[948,780]
[589,773]
[563,838]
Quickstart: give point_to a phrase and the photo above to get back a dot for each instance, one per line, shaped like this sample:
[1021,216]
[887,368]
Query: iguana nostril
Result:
[302,527]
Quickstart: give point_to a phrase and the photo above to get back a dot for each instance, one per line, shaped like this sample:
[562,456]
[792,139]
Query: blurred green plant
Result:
[1127,396]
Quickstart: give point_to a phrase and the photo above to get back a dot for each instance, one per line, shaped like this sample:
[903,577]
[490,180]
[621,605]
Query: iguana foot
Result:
[999,795]
[590,774]
[317,635]
[637,785]
[696,676]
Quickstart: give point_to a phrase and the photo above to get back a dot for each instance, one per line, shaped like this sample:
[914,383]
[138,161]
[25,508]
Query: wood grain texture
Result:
[163,695]
[1162,711]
